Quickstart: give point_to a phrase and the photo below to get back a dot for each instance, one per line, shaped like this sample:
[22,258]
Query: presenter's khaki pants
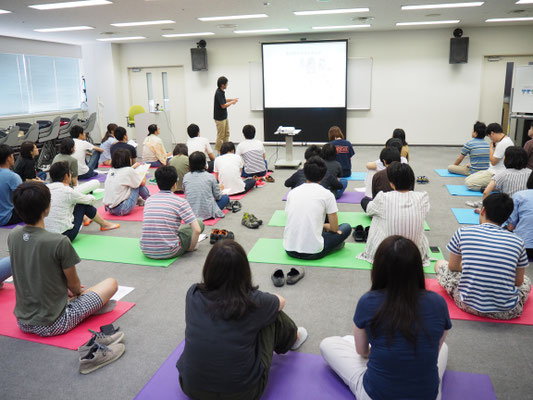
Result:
[222,133]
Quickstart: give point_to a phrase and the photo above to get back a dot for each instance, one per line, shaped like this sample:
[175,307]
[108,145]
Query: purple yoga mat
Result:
[347,197]
[11,226]
[302,376]
[99,178]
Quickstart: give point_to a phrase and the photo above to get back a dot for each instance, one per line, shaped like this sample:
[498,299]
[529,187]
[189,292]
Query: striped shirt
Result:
[201,191]
[164,212]
[251,151]
[396,213]
[478,149]
[512,180]
[490,257]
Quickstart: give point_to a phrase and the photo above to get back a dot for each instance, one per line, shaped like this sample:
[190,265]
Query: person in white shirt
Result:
[228,169]
[81,148]
[253,153]
[124,186]
[499,143]
[201,144]
[306,236]
[68,207]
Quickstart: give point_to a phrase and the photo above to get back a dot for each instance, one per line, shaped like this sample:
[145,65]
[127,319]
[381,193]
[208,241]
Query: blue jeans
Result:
[262,173]
[92,164]
[223,201]
[155,164]
[41,175]
[5,269]
[341,191]
[128,205]
[80,210]
[332,242]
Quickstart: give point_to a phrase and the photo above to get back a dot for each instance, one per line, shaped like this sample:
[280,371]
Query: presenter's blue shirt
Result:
[344,155]
[398,371]
[8,183]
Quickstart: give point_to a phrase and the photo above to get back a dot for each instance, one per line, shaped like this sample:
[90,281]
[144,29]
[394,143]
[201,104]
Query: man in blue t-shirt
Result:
[8,183]
[485,274]
[477,149]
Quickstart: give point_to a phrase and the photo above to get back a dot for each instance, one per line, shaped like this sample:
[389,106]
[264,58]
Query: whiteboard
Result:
[359,84]
[523,90]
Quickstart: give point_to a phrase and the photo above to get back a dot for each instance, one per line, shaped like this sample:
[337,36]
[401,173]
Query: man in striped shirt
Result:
[253,154]
[485,274]
[162,234]
[477,149]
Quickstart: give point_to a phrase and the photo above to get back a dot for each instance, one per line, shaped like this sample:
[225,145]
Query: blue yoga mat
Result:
[446,174]
[356,176]
[466,216]
[461,190]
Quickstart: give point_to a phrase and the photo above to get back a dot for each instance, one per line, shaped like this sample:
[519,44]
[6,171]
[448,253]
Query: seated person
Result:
[528,147]
[515,175]
[485,273]
[25,164]
[399,133]
[107,141]
[380,180]
[122,143]
[478,181]
[50,300]
[253,154]
[81,149]
[163,235]
[396,352]
[228,169]
[68,207]
[5,270]
[201,144]
[249,325]
[66,149]
[329,181]
[180,161]
[154,151]
[306,236]
[202,190]
[521,220]
[399,212]
[8,183]
[391,143]
[124,187]
[477,149]
[329,155]
[344,149]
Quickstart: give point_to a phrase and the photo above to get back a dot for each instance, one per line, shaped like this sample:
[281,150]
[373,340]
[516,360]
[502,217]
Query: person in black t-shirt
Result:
[25,164]
[122,136]
[220,112]
[232,329]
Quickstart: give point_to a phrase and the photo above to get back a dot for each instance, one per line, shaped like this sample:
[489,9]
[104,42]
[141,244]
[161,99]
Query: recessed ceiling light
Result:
[342,26]
[170,35]
[334,11]
[230,17]
[70,4]
[263,30]
[65,29]
[518,19]
[5,12]
[121,38]
[444,5]
[524,2]
[142,23]
[452,21]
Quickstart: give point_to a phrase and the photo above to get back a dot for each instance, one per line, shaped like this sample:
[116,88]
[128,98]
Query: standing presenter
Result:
[220,113]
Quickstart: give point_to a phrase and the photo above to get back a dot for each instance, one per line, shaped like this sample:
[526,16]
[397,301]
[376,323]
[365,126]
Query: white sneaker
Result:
[474,204]
[302,338]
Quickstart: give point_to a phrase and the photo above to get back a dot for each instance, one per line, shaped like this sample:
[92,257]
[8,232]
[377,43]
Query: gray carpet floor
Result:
[324,302]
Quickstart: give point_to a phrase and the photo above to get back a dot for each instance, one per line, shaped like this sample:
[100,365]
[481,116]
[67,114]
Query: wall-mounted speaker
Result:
[199,59]
[459,50]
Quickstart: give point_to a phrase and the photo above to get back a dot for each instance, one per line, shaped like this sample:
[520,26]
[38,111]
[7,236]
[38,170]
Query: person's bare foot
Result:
[87,221]
[108,226]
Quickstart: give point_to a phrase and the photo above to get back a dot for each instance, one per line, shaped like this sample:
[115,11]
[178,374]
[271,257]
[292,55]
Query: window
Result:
[36,84]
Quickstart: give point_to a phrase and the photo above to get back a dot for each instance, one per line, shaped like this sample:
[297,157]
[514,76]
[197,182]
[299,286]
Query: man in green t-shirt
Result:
[180,161]
[50,300]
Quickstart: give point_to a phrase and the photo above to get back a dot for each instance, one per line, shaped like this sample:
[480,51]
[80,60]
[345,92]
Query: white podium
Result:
[162,120]
[288,161]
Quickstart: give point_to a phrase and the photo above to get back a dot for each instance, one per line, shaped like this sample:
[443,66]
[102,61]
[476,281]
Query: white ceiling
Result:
[385,13]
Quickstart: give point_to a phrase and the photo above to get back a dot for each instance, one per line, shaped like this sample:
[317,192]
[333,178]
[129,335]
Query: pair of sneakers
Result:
[102,349]
[360,234]
[293,276]
[219,234]
[251,221]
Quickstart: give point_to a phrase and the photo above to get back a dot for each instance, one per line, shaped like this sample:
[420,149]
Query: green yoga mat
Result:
[115,249]
[270,251]
[353,218]
[98,195]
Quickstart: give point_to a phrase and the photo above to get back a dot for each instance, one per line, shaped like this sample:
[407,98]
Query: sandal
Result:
[224,234]
[269,178]
[214,236]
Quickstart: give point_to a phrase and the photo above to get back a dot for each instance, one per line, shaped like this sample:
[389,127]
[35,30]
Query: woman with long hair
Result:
[398,349]
[232,329]
[107,141]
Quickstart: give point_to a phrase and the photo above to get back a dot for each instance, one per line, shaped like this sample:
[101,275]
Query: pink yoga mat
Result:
[70,340]
[456,313]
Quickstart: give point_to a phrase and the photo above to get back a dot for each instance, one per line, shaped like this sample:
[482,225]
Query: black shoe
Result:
[366,233]
[359,233]
[294,275]
[278,278]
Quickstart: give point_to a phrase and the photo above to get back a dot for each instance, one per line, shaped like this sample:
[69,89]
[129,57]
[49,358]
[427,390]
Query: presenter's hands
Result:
[235,100]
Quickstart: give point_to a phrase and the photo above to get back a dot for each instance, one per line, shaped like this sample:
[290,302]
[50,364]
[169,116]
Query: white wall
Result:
[413,85]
